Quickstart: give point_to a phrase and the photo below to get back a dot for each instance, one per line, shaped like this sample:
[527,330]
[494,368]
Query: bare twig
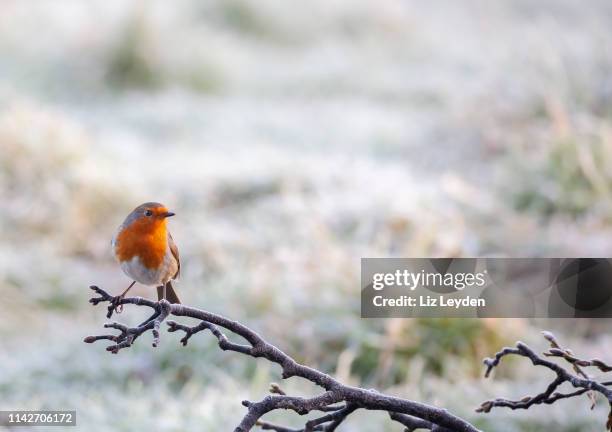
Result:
[337,401]
[413,423]
[579,379]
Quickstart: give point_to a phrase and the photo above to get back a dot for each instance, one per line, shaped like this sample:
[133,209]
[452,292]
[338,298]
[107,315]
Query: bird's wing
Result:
[175,254]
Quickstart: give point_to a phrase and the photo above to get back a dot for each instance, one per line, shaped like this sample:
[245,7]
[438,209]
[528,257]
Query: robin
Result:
[146,251]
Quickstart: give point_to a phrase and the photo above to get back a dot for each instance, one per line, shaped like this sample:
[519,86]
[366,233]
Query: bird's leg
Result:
[119,307]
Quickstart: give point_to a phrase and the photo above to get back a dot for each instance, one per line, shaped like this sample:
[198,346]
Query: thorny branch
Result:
[579,379]
[336,403]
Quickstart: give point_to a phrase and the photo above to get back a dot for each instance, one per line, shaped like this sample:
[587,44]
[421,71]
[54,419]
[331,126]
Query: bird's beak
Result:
[168,214]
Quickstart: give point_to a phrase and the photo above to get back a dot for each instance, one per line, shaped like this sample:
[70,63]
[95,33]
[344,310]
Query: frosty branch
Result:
[334,404]
[578,379]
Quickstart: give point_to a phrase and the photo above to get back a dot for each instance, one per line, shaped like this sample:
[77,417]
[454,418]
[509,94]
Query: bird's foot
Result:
[116,303]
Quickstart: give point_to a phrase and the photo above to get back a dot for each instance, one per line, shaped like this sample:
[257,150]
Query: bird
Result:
[146,252]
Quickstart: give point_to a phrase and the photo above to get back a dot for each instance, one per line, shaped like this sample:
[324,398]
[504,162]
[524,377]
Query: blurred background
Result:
[292,140]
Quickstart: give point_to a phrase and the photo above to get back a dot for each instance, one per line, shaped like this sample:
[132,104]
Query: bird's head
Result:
[148,216]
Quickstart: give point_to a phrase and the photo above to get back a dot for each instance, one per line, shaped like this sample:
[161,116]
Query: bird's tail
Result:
[170,293]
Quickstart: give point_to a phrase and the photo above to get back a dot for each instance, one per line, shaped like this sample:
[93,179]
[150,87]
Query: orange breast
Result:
[145,239]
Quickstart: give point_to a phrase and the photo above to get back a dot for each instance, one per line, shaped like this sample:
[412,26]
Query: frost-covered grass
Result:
[291,141]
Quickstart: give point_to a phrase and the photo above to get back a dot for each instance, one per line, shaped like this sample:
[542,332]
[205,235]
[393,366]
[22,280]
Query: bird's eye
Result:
[148,213]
